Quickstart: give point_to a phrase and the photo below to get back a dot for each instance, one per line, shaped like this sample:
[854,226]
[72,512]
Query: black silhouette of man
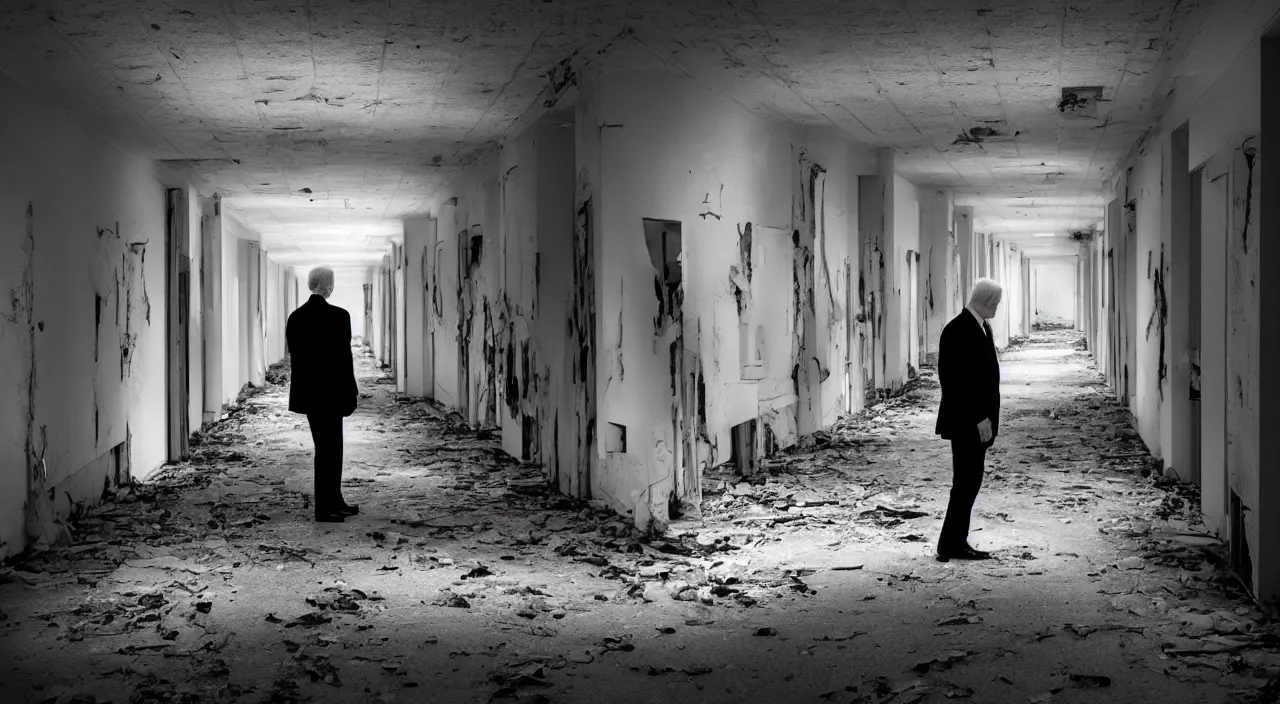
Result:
[322,386]
[969,415]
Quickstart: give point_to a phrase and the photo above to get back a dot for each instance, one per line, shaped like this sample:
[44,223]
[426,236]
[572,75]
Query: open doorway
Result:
[177,322]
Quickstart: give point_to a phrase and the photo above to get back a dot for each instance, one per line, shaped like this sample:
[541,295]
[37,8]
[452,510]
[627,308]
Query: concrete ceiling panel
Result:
[361,103]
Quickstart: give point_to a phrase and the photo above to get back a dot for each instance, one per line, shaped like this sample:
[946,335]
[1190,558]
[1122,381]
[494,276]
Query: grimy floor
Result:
[463,581]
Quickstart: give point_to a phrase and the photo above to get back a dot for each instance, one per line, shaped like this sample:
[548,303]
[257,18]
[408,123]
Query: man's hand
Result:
[984,430]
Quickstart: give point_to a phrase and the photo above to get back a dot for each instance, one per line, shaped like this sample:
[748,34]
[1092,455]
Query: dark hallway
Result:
[465,580]
[665,337]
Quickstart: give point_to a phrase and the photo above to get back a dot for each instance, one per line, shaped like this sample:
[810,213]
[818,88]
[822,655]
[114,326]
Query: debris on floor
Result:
[464,578]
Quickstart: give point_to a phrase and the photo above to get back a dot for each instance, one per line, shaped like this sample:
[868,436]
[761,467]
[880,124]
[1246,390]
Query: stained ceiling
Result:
[326,121]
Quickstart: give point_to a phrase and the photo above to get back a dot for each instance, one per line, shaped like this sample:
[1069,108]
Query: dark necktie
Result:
[987,328]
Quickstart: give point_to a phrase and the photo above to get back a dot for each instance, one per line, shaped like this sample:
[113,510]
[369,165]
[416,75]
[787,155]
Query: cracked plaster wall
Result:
[195,310]
[445,311]
[942,278]
[210,280]
[1218,140]
[81,257]
[872,315]
[419,245]
[1215,136]
[1149,267]
[903,221]
[999,270]
[673,151]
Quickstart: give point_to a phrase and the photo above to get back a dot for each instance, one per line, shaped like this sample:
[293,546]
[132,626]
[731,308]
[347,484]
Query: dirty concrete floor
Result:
[463,580]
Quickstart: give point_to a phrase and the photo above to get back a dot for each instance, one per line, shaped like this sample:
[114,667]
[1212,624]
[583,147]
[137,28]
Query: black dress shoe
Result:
[961,552]
[349,509]
[329,517]
[975,554]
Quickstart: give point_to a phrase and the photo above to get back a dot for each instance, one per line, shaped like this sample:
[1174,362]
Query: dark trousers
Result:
[326,432]
[967,460]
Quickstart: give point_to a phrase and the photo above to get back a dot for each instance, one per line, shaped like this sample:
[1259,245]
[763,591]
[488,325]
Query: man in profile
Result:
[969,415]
[322,386]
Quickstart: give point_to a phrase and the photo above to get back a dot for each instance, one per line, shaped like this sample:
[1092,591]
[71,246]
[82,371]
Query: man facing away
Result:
[969,415]
[322,386]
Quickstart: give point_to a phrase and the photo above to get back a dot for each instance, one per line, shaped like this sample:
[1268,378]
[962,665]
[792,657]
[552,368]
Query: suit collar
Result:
[981,322]
[317,299]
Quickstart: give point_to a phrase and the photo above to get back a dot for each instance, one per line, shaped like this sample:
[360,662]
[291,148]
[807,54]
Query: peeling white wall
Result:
[195,302]
[446,289]
[79,219]
[905,228]
[937,238]
[678,152]
[1219,126]
[1144,188]
[1215,138]
[419,242]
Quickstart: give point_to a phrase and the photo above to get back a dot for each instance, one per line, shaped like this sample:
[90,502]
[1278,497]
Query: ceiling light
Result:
[1044,234]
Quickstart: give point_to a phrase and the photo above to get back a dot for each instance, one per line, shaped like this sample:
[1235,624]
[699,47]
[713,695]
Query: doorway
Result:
[177,323]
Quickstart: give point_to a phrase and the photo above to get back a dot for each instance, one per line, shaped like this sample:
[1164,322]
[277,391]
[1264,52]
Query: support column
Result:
[964,249]
[936,239]
[1266,244]
[211,281]
[419,240]
[894,291]
[401,357]
[256,342]
[1176,213]
[1028,294]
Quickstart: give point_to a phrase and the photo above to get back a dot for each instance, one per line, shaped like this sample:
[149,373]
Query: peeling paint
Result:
[740,273]
[1251,157]
[582,332]
[1159,317]
[706,201]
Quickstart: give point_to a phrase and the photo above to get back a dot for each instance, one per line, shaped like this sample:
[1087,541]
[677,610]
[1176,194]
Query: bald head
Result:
[320,281]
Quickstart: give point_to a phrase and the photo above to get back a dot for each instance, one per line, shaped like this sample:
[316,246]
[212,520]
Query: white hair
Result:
[319,278]
[986,292]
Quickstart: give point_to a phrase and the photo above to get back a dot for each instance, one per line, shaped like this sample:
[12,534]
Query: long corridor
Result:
[464,579]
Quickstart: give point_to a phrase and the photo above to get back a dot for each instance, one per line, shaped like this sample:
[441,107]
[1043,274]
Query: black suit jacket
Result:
[970,375]
[322,371]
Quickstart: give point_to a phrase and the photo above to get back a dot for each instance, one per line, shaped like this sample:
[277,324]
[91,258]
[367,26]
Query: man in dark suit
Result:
[322,386]
[969,415]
